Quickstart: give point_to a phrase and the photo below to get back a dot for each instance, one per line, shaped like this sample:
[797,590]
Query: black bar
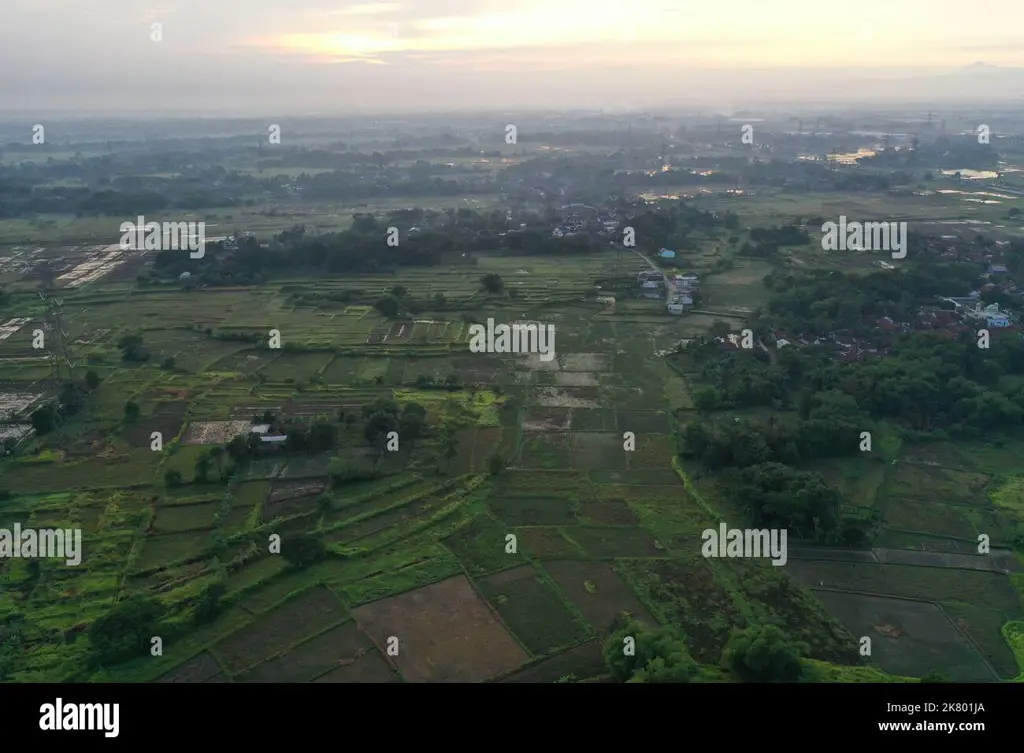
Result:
[167,713]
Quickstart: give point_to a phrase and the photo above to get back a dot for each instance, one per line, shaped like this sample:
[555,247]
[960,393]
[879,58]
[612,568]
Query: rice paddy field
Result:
[439,569]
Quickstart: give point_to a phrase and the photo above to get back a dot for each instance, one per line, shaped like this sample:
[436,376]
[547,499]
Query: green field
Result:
[539,554]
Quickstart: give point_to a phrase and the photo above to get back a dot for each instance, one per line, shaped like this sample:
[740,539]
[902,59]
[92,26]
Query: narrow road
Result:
[670,288]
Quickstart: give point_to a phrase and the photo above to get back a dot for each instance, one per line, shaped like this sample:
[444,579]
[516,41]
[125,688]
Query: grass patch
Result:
[480,546]
[533,610]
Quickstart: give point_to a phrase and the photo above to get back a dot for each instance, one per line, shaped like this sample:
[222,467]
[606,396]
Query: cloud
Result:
[367,9]
[447,52]
[339,61]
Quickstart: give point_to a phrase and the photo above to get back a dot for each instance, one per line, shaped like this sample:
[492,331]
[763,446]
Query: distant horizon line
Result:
[891,104]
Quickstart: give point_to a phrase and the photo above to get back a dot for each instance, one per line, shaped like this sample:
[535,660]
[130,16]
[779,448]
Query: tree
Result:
[411,422]
[777,496]
[131,348]
[203,463]
[217,456]
[322,437]
[238,448]
[295,441]
[303,550]
[167,364]
[667,670]
[125,632]
[719,328]
[378,425]
[492,283]
[658,654]
[388,306]
[495,464]
[208,604]
[805,404]
[762,653]
[173,478]
[44,419]
[71,398]
[705,399]
[381,405]
[131,411]
[934,676]
[449,445]
[92,379]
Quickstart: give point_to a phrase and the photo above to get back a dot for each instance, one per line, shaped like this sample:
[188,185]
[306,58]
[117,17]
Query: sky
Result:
[263,57]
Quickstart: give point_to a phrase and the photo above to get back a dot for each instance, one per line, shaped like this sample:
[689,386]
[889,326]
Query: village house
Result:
[680,304]
[687,281]
[651,289]
[997,320]
[991,314]
[886,324]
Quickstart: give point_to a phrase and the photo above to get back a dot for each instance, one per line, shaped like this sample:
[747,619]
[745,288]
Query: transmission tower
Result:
[61,365]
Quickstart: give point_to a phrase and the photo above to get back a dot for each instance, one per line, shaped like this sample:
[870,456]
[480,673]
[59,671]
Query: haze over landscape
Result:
[254,57]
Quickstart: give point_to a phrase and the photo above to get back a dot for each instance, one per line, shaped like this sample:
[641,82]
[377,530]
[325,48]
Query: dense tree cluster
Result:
[383,416]
[639,653]
[453,234]
[820,302]
[763,653]
[765,242]
[921,381]
[831,428]
[777,496]
[125,632]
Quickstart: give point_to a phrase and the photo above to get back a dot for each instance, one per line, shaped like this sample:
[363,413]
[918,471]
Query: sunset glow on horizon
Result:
[732,33]
[461,52]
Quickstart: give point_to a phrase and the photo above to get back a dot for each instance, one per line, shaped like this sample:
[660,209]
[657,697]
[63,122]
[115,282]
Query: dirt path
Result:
[670,288]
